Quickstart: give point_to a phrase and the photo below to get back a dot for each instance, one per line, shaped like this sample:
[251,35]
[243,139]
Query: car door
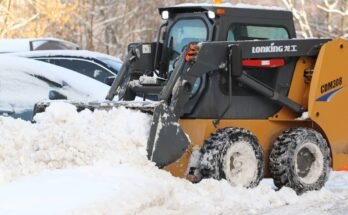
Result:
[19,91]
[6,109]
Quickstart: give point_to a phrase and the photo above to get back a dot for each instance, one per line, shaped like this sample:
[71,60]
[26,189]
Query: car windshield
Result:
[182,33]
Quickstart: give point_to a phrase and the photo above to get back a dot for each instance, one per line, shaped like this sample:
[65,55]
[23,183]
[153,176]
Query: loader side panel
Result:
[299,89]
[199,130]
[328,98]
[215,99]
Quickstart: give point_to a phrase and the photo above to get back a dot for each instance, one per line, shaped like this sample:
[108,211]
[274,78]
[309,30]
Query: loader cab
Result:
[189,23]
[194,23]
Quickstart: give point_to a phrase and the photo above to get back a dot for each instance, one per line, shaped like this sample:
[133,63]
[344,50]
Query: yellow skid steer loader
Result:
[236,96]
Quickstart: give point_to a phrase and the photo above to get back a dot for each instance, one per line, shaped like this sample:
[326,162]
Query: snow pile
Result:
[135,189]
[144,79]
[150,191]
[304,116]
[94,163]
[71,53]
[63,138]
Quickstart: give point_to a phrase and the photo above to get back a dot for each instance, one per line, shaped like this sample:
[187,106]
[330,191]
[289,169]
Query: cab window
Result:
[252,32]
[268,76]
[182,33]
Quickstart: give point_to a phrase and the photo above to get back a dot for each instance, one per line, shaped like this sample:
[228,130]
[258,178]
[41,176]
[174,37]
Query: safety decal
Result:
[328,96]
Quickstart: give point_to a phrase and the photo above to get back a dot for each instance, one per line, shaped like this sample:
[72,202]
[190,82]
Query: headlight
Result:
[165,14]
[211,14]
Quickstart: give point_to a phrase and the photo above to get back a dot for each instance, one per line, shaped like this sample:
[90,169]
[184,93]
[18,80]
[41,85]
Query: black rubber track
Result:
[216,146]
[282,163]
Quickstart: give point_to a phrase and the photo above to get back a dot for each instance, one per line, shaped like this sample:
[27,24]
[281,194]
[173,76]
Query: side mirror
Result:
[236,61]
[109,80]
[55,95]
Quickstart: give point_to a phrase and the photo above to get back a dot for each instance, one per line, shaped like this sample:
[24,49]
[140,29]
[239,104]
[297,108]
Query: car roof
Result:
[63,76]
[67,53]
[25,44]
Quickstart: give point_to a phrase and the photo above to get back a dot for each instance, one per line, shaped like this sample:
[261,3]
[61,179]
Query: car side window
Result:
[85,67]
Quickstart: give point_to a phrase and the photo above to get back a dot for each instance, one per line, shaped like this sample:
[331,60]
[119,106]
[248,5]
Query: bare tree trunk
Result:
[90,45]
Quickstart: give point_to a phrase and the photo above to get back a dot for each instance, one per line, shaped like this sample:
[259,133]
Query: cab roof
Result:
[232,10]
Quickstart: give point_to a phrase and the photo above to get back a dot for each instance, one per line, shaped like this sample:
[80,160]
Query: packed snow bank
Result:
[63,138]
[133,189]
[95,163]
[162,194]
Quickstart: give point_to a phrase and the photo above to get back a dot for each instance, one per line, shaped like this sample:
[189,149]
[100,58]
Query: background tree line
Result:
[109,25]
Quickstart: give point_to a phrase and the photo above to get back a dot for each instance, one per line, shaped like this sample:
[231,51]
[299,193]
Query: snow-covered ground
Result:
[95,163]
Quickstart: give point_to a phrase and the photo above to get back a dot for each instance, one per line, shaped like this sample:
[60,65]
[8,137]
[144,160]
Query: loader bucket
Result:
[166,142]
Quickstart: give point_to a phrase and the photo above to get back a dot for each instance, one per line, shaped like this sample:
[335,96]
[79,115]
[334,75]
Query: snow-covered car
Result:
[101,67]
[34,44]
[24,82]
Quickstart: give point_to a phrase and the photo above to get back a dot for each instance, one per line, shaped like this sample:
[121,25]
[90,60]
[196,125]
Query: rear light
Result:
[217,1]
[269,63]
[220,11]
